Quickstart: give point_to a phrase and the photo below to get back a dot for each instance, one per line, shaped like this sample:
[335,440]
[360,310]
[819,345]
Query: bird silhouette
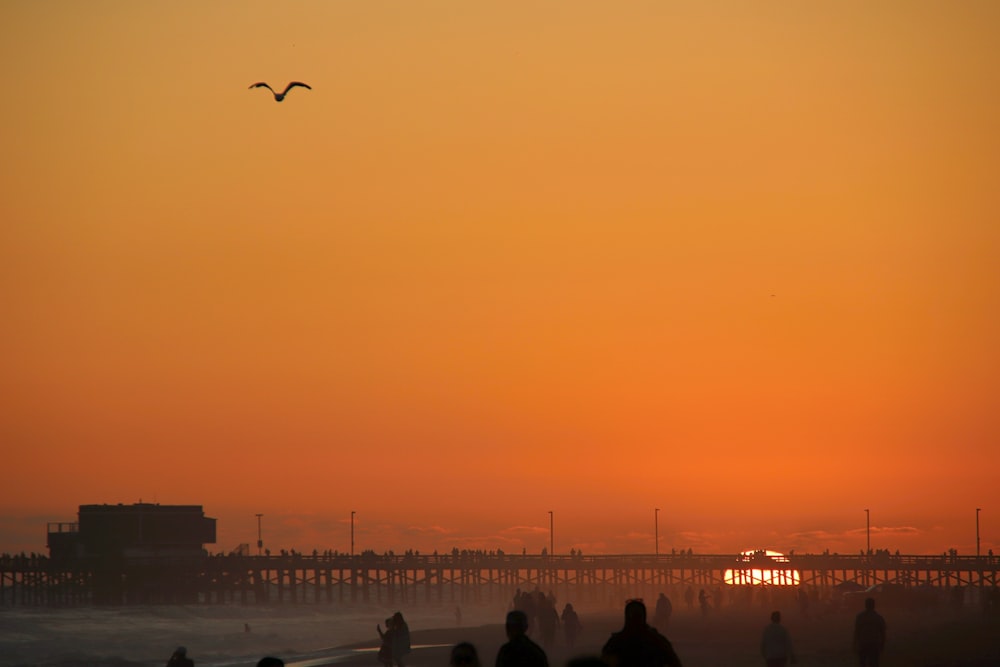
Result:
[278,97]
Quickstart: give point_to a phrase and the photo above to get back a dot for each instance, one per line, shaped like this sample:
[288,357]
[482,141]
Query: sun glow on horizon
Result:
[762,576]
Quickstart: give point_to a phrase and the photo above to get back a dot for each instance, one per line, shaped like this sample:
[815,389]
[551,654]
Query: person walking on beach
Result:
[703,598]
[180,658]
[400,639]
[520,651]
[638,644]
[869,635]
[571,625]
[464,654]
[776,643]
[385,648]
[664,608]
[548,621]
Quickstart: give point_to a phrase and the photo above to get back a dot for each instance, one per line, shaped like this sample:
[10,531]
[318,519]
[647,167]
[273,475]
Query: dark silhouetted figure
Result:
[571,625]
[180,658]
[400,639]
[548,621]
[664,608]
[869,635]
[269,661]
[638,644]
[520,651]
[689,598]
[385,648]
[803,602]
[280,97]
[776,643]
[703,598]
[464,654]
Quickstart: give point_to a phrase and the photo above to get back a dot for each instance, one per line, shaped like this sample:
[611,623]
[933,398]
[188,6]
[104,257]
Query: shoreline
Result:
[728,637]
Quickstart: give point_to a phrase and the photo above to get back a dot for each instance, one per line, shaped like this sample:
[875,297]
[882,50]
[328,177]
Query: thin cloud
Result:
[525,530]
[430,530]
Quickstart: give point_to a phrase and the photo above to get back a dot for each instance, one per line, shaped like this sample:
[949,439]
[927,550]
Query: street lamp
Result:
[868,530]
[552,539]
[352,532]
[260,540]
[656,530]
[978,510]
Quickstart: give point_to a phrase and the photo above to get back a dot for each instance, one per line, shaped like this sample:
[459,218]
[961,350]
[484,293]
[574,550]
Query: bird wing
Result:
[261,84]
[296,83]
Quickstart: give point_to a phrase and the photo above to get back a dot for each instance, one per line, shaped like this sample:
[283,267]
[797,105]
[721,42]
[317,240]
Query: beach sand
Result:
[303,637]
[731,639]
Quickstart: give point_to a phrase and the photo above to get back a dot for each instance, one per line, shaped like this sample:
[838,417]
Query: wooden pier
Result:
[473,577]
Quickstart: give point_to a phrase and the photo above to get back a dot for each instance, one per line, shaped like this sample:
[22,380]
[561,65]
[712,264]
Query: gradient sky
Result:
[737,261]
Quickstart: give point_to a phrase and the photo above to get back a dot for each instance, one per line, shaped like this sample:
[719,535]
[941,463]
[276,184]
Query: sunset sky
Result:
[737,261]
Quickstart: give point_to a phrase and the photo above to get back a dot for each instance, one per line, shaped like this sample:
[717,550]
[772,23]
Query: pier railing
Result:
[473,576]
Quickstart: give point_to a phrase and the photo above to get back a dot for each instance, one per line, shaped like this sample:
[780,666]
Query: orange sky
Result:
[737,262]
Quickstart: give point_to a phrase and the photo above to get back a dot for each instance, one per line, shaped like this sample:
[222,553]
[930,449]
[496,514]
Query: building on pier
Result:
[127,532]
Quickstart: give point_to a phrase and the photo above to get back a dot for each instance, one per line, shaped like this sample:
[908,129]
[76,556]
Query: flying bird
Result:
[278,97]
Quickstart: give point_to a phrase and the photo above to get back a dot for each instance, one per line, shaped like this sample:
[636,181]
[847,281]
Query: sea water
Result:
[215,636]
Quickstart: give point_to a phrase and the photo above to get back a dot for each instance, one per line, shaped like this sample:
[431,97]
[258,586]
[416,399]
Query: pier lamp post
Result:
[260,540]
[656,531]
[868,531]
[552,538]
[352,532]
[978,510]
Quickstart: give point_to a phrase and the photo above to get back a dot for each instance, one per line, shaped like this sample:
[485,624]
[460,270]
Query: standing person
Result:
[703,602]
[869,635]
[776,643]
[548,620]
[400,639]
[180,658]
[520,651]
[664,608]
[571,625]
[385,648]
[638,644]
[464,654]
[689,597]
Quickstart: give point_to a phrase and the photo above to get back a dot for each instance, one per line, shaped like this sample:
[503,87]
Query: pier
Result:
[467,577]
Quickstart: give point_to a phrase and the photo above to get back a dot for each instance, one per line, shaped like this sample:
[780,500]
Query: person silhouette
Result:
[703,598]
[571,625]
[464,654]
[776,643]
[638,644]
[385,647]
[547,620]
[180,658]
[869,635]
[664,608]
[689,598]
[400,639]
[520,651]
